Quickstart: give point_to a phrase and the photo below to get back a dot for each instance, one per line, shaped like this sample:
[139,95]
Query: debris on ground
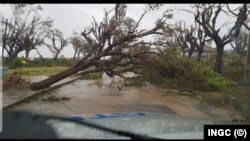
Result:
[54,98]
[170,92]
[15,82]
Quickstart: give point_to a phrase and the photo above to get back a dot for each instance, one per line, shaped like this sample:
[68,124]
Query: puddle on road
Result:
[89,98]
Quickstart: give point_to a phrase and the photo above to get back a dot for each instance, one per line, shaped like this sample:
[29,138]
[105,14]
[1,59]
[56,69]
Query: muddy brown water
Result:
[89,98]
[14,92]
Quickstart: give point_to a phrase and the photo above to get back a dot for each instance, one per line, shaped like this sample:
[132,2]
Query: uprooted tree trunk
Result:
[115,42]
[55,78]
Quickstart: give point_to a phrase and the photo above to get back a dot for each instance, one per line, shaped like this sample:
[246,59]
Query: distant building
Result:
[209,51]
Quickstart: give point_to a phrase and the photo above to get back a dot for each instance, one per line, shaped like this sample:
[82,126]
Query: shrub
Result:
[65,61]
[38,62]
[234,69]
[47,62]
[183,72]
[17,62]
[210,79]
[239,99]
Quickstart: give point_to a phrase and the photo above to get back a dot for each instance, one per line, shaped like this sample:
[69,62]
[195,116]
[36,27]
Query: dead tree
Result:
[206,16]
[198,39]
[109,44]
[240,44]
[77,43]
[202,41]
[179,40]
[23,34]
[57,42]
[188,40]
[191,40]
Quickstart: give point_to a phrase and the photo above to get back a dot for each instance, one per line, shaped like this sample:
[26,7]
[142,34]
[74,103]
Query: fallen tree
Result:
[116,45]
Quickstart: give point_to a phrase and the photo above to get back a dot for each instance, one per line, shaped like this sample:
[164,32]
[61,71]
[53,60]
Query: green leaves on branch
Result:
[181,72]
[163,22]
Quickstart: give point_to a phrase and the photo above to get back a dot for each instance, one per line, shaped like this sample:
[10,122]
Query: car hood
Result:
[160,125]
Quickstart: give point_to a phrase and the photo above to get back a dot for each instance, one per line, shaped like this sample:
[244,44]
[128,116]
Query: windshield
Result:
[151,69]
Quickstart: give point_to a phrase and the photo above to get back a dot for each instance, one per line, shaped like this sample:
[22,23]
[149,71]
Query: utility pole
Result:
[247,64]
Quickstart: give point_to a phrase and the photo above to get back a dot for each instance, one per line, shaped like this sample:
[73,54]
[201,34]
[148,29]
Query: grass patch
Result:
[239,99]
[30,71]
[236,99]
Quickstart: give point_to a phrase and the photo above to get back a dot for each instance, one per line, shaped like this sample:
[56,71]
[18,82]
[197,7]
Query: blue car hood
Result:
[160,125]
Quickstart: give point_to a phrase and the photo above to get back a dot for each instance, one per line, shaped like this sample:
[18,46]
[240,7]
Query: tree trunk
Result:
[55,78]
[2,51]
[190,52]
[219,59]
[4,37]
[55,58]
[27,54]
[78,55]
[199,55]
[11,63]
[40,56]
[11,59]
[75,55]
[183,53]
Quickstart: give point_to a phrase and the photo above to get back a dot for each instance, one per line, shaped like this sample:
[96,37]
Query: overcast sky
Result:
[75,17]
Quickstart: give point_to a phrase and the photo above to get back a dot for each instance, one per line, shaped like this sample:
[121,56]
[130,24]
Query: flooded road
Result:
[89,97]
[16,92]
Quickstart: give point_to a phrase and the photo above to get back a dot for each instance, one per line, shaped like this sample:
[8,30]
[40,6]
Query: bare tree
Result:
[109,45]
[188,40]
[23,31]
[77,43]
[202,41]
[206,16]
[58,42]
[80,46]
[240,44]
[178,39]
[191,39]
